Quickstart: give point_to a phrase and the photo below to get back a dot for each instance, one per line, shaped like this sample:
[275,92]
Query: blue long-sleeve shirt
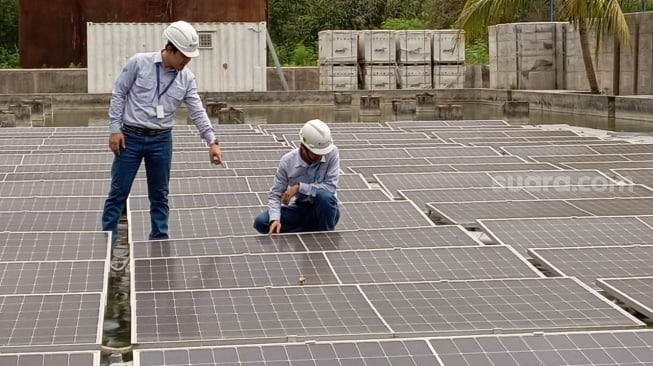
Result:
[293,169]
[134,96]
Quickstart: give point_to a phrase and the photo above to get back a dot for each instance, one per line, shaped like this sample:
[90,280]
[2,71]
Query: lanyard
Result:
[158,81]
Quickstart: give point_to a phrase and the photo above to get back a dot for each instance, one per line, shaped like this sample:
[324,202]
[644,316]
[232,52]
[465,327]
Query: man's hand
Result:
[275,227]
[116,142]
[289,194]
[215,154]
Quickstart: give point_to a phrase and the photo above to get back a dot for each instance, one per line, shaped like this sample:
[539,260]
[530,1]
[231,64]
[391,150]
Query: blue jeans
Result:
[321,215]
[157,153]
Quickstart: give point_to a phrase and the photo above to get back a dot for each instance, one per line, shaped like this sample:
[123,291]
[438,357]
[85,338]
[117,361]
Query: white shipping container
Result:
[338,47]
[232,57]
[380,77]
[415,77]
[377,47]
[448,76]
[338,77]
[449,46]
[413,47]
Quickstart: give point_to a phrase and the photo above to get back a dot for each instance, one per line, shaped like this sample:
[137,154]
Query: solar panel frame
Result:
[58,322]
[589,263]
[64,358]
[254,315]
[68,188]
[494,305]
[635,292]
[216,246]
[456,151]
[429,264]
[624,149]
[348,195]
[621,347]
[68,276]
[423,196]
[566,232]
[377,352]
[468,213]
[50,220]
[599,191]
[559,159]
[198,200]
[53,246]
[619,206]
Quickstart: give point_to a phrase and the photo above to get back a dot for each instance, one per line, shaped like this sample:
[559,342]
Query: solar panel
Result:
[394,182]
[635,292]
[369,171]
[599,191]
[387,238]
[234,271]
[199,200]
[7,168]
[407,124]
[487,167]
[429,264]
[90,358]
[52,277]
[638,176]
[466,213]
[589,263]
[568,232]
[615,206]
[199,222]
[50,220]
[423,196]
[252,164]
[97,187]
[372,153]
[50,176]
[475,160]
[533,132]
[51,203]
[639,157]
[624,149]
[53,246]
[194,185]
[217,246]
[496,305]
[384,352]
[628,347]
[253,315]
[371,215]
[527,151]
[551,178]
[55,321]
[606,166]
[345,163]
[556,159]
[62,159]
[10,159]
[251,172]
[449,135]
[435,152]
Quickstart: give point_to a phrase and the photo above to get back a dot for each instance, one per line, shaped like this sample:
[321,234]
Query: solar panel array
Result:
[401,280]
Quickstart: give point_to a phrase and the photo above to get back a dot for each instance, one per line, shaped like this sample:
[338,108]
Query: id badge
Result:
[159,111]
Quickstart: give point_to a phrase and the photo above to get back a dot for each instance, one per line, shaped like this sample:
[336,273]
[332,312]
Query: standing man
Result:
[143,104]
[309,174]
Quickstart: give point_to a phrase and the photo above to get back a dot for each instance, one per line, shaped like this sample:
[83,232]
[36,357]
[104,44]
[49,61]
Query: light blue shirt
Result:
[293,169]
[134,96]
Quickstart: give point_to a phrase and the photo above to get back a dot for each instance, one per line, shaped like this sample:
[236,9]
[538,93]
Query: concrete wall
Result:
[72,80]
[546,56]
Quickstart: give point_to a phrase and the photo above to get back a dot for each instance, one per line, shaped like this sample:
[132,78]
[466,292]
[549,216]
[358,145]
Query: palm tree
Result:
[601,17]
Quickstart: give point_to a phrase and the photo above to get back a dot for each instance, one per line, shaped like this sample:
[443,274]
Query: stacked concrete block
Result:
[527,55]
[377,57]
[414,48]
[338,60]
[448,55]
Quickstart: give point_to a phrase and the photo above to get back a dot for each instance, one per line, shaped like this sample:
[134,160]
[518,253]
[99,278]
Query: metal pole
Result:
[551,11]
[284,84]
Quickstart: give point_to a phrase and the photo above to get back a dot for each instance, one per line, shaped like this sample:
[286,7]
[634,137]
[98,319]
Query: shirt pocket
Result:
[177,93]
[143,86]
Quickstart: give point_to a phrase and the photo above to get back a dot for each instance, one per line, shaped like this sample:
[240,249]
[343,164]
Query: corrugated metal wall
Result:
[236,61]
[53,33]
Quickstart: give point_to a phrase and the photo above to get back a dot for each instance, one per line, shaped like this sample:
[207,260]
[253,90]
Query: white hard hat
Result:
[184,37]
[316,136]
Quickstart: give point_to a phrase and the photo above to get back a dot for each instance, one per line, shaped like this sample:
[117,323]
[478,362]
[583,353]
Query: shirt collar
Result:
[301,162]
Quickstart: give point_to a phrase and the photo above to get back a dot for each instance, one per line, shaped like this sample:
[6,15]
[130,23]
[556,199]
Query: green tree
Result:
[9,24]
[601,17]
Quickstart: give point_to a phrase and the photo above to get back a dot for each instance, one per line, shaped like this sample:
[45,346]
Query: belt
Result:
[145,131]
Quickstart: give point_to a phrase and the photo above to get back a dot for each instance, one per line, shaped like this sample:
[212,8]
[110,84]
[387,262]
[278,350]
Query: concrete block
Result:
[231,115]
[213,108]
[404,107]
[370,105]
[22,113]
[7,119]
[516,109]
[342,100]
